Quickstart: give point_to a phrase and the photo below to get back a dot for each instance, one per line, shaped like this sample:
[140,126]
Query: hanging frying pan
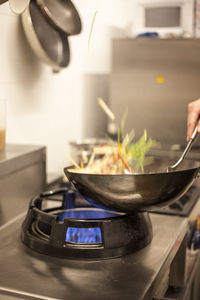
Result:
[136,192]
[62,14]
[48,44]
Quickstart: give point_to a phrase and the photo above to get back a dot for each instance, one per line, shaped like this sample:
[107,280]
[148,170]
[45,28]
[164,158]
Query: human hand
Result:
[193,115]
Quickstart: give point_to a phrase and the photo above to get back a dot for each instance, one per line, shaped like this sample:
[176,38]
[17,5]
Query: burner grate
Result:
[82,231]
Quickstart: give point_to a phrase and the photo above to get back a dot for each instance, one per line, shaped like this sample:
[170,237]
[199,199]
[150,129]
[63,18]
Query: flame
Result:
[83,235]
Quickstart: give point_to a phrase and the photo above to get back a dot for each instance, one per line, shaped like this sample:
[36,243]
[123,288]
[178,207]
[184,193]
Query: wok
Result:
[136,192]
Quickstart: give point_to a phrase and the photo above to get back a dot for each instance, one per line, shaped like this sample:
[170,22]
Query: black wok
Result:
[137,192]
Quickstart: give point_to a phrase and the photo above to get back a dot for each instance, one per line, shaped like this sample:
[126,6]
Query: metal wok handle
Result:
[192,139]
[187,149]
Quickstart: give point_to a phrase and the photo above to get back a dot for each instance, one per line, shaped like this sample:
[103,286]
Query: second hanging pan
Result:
[62,14]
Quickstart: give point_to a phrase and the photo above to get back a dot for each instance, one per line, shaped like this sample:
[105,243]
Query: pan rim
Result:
[67,170]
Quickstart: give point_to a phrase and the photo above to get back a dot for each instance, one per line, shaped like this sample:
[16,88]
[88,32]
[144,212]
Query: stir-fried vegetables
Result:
[122,157]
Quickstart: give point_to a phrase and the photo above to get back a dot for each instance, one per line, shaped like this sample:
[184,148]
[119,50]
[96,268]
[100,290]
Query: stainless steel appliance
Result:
[155,79]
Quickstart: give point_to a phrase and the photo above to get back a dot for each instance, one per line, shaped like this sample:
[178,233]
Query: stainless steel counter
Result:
[18,156]
[29,275]
[22,176]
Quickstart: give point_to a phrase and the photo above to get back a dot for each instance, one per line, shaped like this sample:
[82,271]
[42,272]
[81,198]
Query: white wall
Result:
[46,108]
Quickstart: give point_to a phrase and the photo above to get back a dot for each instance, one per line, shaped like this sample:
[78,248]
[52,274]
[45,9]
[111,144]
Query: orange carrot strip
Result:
[124,163]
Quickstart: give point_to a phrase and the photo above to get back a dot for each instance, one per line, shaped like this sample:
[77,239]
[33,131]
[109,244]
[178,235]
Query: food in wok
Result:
[126,156]
[121,158]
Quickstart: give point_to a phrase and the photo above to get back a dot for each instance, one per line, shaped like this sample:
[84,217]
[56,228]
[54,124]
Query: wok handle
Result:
[192,140]
[187,148]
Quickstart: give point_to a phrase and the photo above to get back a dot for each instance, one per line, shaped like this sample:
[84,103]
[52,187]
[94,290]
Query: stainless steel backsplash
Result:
[94,118]
[155,79]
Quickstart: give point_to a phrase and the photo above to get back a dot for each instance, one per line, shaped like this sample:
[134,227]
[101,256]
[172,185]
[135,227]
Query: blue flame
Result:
[83,235]
[81,208]
[85,214]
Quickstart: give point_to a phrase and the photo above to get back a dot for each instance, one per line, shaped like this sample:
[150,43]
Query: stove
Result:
[62,224]
[28,274]
[114,255]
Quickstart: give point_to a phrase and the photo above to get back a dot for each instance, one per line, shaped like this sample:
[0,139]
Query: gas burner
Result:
[62,223]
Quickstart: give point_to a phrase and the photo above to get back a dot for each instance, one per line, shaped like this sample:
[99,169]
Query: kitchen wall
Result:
[52,109]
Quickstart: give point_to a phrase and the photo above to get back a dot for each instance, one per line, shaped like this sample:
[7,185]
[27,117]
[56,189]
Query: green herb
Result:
[138,151]
[91,29]
[118,136]
[131,156]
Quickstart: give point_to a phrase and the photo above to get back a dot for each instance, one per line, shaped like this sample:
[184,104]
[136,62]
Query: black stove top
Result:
[183,206]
